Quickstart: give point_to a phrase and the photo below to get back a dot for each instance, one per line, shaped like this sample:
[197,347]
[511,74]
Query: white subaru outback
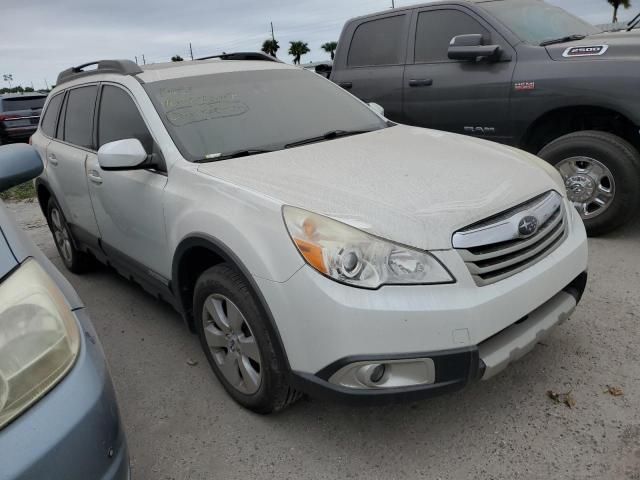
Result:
[313,245]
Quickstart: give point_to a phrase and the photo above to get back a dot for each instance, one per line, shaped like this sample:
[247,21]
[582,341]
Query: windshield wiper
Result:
[327,136]
[568,38]
[214,157]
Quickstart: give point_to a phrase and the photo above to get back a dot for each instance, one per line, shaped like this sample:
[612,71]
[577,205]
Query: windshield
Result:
[535,21]
[259,110]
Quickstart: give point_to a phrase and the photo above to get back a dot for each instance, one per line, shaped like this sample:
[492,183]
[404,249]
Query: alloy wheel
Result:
[590,185]
[61,235]
[232,343]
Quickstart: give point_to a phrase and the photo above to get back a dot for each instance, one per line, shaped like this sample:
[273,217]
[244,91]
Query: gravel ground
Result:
[181,425]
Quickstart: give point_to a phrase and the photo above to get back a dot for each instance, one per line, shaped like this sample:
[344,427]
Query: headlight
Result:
[39,339]
[352,256]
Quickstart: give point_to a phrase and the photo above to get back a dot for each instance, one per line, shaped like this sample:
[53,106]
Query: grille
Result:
[495,248]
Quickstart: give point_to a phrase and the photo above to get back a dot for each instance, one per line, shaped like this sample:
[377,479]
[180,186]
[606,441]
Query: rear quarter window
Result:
[378,42]
[50,117]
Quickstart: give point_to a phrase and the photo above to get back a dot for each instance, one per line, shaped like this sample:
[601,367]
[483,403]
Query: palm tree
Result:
[270,46]
[297,49]
[616,4]
[330,47]
[177,58]
[8,78]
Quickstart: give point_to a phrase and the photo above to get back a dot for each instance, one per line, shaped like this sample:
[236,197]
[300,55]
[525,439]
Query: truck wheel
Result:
[236,341]
[601,172]
[75,260]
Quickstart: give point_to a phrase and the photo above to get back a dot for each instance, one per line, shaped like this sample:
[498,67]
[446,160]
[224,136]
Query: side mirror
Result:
[324,70]
[19,163]
[127,154]
[377,108]
[470,47]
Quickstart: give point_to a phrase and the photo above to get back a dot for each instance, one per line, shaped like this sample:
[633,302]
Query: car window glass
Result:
[378,42]
[435,30]
[119,118]
[51,115]
[79,116]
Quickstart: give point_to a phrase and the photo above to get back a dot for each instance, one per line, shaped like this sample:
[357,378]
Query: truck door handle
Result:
[346,85]
[420,82]
[52,159]
[94,177]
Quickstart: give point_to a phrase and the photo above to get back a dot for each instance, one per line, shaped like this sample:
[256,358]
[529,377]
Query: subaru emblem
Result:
[527,226]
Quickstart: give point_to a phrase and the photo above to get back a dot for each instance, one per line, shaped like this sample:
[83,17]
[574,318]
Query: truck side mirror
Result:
[471,47]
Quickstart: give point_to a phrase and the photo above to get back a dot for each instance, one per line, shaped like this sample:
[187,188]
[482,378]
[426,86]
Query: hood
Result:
[603,46]
[410,185]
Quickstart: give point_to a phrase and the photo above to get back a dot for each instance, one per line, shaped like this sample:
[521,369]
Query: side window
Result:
[378,42]
[119,118]
[50,117]
[78,120]
[435,30]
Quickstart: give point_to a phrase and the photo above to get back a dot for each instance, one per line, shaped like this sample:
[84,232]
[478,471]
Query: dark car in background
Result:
[58,413]
[19,115]
[520,72]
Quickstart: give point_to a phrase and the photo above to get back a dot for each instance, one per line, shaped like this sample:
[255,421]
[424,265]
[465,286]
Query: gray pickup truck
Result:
[520,72]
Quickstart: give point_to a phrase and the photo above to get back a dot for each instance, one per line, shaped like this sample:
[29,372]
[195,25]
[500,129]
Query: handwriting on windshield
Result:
[183,106]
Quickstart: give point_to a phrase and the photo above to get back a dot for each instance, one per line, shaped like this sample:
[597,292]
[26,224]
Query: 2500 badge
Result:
[590,51]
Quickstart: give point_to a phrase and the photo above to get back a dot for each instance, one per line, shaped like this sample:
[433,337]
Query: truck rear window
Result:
[378,42]
[26,103]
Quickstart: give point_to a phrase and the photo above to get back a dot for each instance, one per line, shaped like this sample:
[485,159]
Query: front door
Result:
[128,203]
[457,96]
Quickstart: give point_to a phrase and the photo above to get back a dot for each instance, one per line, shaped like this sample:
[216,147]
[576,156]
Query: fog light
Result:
[377,373]
[391,374]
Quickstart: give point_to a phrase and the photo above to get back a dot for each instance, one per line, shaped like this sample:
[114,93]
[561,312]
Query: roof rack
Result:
[243,56]
[123,67]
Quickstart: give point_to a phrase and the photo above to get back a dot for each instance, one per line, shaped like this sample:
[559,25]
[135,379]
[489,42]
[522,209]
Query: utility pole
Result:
[191,50]
[136,60]
[46,83]
[272,35]
[144,62]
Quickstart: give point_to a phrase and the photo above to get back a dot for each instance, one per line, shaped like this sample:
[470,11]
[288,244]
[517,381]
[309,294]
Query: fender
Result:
[218,248]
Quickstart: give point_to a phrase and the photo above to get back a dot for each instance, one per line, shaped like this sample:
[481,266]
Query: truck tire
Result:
[75,260]
[237,343]
[602,175]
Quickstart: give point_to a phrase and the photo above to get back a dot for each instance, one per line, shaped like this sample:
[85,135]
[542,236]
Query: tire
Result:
[580,158]
[241,345]
[75,260]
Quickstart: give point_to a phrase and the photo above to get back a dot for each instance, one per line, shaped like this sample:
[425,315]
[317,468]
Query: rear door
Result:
[372,65]
[66,159]
[456,96]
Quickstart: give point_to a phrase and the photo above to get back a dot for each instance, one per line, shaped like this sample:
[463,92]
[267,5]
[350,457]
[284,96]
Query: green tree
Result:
[297,49]
[177,58]
[616,4]
[330,47]
[270,47]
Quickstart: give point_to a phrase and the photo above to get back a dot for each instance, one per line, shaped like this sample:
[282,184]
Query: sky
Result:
[43,37]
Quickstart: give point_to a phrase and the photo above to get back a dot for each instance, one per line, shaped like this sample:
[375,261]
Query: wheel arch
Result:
[561,121]
[199,252]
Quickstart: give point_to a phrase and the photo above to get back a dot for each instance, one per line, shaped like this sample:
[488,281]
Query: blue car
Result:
[58,413]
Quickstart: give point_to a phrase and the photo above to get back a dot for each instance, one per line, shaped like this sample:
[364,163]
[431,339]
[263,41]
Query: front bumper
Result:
[74,431]
[453,368]
[322,323]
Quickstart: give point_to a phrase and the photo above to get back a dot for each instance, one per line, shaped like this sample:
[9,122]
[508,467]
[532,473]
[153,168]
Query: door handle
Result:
[420,82]
[94,177]
[52,159]
[346,85]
